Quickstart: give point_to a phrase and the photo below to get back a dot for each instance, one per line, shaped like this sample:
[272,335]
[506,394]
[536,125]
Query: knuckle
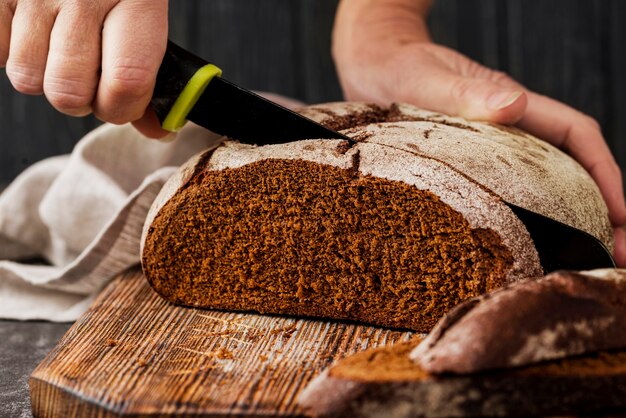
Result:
[69,103]
[592,123]
[500,76]
[127,86]
[81,8]
[615,167]
[27,79]
[71,96]
[130,81]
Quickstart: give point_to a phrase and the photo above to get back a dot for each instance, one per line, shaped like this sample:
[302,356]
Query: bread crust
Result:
[532,391]
[554,185]
[561,315]
[549,347]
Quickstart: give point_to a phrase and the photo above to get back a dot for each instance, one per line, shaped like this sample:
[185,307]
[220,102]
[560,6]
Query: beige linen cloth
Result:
[83,214]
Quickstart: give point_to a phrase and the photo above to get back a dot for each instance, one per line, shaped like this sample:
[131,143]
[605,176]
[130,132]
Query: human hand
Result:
[383,54]
[86,56]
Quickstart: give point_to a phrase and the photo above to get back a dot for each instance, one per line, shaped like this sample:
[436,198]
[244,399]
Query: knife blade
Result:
[562,247]
[189,88]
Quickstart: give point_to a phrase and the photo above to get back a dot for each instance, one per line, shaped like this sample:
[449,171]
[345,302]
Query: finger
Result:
[580,136]
[6,16]
[480,99]
[471,98]
[134,41]
[71,76]
[150,126]
[460,86]
[620,247]
[608,177]
[28,48]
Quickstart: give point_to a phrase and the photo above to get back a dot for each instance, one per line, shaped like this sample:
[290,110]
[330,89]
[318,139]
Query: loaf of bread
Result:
[568,317]
[393,230]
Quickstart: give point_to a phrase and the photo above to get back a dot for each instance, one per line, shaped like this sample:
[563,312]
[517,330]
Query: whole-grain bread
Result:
[384,383]
[560,315]
[394,230]
[535,348]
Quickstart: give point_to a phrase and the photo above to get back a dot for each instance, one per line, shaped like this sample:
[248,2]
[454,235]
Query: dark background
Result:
[573,50]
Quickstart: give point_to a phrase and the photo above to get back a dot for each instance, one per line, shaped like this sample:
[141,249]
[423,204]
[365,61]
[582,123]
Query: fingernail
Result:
[502,99]
[168,138]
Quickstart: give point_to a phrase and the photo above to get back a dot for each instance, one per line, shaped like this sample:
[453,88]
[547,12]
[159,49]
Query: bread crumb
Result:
[111,342]
[224,354]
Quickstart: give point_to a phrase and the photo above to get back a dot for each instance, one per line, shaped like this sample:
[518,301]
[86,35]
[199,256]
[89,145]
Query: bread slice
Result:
[384,382]
[467,366]
[394,230]
[562,314]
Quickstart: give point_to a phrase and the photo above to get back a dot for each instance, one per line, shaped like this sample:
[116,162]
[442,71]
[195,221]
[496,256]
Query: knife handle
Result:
[180,81]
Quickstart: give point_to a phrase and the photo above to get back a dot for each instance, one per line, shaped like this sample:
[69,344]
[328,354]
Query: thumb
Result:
[473,98]
[481,99]
[149,125]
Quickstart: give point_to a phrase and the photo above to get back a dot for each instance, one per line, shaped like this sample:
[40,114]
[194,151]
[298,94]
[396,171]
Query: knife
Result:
[189,88]
[563,247]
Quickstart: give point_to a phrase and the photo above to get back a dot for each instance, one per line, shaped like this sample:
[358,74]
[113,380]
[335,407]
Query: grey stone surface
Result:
[22,346]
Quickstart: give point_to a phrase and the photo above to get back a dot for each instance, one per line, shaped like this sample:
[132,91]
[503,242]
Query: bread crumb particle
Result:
[111,342]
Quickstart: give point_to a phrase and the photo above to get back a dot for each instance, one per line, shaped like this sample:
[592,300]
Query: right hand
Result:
[99,56]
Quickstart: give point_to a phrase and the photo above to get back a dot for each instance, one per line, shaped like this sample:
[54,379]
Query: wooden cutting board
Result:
[134,354]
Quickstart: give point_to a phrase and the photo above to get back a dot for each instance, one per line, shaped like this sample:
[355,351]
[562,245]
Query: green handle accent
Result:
[177,116]
[180,81]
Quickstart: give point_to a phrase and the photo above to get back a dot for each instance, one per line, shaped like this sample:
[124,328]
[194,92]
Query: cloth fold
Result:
[81,216]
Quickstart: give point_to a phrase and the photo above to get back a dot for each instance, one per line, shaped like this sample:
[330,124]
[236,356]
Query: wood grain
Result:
[133,354]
